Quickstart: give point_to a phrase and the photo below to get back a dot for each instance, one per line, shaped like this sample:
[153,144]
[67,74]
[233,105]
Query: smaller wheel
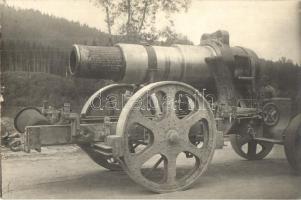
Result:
[250,149]
[292,143]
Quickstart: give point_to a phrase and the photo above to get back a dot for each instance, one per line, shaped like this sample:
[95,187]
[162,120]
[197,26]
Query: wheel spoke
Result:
[156,103]
[139,118]
[170,167]
[170,102]
[155,166]
[199,153]
[193,118]
[252,148]
[242,140]
[140,158]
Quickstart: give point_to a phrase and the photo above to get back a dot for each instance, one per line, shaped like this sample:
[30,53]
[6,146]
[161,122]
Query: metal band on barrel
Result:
[152,62]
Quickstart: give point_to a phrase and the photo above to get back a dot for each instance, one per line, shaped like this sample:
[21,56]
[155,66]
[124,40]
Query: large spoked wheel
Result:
[106,102]
[250,149]
[169,133]
[292,143]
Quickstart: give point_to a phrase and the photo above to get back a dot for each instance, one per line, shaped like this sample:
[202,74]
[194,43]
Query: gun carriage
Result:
[169,101]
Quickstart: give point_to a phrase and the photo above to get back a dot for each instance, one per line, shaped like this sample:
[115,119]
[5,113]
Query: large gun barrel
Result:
[132,63]
[135,63]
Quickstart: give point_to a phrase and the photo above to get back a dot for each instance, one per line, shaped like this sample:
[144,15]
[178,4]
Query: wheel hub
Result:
[173,136]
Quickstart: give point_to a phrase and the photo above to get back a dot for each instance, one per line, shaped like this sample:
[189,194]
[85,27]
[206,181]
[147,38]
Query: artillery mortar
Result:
[169,104]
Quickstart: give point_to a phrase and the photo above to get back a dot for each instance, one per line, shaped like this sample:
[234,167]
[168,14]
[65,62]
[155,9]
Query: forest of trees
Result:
[34,27]
[32,57]
[283,75]
[35,42]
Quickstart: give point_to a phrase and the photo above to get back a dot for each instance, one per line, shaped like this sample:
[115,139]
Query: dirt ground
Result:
[67,172]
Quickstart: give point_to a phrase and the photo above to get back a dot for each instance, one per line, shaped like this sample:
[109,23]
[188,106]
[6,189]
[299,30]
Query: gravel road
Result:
[67,172]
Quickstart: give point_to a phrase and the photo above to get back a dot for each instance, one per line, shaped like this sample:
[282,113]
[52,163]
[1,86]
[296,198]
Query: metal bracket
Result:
[116,143]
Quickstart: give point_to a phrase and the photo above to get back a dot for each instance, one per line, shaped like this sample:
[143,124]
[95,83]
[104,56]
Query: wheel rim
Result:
[250,149]
[169,135]
[298,150]
[98,105]
[292,143]
[93,110]
[104,161]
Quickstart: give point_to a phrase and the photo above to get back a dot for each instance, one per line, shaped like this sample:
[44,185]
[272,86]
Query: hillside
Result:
[31,89]
[36,42]
[34,27]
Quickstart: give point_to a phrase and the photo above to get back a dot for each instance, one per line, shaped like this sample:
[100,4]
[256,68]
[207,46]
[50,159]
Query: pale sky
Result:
[269,28]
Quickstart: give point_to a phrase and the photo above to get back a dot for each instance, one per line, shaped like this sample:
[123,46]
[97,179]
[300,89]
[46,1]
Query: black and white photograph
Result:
[150,99]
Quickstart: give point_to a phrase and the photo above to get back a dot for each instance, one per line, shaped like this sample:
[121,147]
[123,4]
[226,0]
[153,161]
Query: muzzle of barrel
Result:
[29,116]
[96,62]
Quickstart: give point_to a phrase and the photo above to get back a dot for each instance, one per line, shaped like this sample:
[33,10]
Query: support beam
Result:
[46,135]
